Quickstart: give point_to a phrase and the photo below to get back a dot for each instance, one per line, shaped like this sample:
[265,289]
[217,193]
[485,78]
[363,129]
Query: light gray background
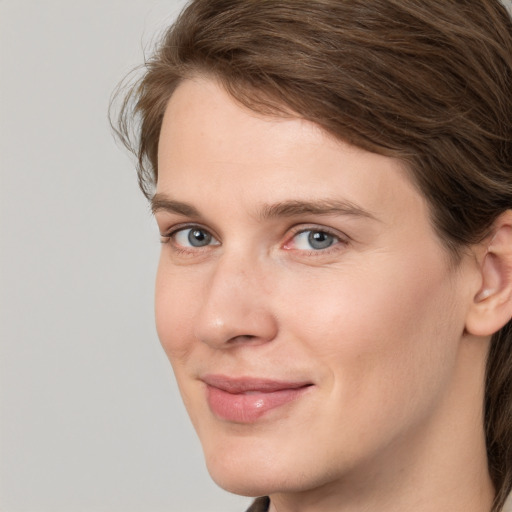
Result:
[90,416]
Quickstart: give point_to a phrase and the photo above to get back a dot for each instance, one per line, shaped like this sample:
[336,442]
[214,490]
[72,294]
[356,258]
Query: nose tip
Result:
[235,309]
[233,327]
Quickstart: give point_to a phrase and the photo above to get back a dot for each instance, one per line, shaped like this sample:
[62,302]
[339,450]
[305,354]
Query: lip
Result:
[246,399]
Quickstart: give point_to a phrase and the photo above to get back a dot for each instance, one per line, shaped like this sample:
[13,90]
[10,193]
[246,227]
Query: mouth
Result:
[245,400]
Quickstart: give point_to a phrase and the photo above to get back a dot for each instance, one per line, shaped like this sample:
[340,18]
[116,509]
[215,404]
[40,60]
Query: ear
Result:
[492,304]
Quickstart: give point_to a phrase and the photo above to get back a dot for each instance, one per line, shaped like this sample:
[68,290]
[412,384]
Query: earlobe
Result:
[492,304]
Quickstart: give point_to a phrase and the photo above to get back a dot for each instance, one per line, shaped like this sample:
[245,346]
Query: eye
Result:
[312,239]
[195,236]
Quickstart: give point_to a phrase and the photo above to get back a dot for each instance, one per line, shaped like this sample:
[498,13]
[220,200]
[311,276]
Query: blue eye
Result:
[194,237]
[314,239]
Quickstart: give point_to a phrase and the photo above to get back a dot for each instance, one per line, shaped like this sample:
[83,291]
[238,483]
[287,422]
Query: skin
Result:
[376,322]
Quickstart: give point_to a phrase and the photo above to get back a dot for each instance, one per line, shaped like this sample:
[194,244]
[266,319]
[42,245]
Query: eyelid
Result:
[184,225]
[341,237]
[342,240]
[169,233]
[301,228]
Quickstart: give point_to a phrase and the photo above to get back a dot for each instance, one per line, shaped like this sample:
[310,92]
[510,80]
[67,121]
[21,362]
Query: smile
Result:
[245,400]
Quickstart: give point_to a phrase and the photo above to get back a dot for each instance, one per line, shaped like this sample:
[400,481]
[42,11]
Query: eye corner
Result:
[315,240]
[164,238]
[190,238]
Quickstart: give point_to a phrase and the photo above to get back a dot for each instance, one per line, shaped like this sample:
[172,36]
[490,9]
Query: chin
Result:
[259,471]
[253,482]
[246,472]
[249,486]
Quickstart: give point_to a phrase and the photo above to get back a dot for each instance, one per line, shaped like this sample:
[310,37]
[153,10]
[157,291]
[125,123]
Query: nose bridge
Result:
[236,306]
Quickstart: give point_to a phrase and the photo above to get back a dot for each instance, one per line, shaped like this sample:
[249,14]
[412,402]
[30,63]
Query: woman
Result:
[332,181]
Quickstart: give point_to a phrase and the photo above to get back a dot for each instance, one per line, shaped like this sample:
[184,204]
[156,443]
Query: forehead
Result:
[212,147]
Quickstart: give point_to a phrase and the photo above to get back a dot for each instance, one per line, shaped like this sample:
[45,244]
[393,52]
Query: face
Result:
[310,313]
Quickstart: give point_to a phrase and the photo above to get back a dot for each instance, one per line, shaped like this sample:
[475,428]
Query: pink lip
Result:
[245,400]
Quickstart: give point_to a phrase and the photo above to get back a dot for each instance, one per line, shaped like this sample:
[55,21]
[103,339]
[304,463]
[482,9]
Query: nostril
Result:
[227,320]
[243,338]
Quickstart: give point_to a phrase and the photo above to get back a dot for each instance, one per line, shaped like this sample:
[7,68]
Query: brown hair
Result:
[427,81]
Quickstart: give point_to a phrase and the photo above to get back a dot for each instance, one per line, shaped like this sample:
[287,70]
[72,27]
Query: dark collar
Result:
[260,505]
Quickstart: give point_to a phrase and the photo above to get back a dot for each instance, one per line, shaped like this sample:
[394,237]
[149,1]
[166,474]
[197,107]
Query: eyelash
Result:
[169,238]
[340,242]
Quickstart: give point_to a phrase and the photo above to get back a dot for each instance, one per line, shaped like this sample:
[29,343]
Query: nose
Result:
[236,306]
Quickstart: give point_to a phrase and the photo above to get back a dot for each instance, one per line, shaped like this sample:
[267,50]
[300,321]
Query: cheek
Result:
[388,336]
[175,301]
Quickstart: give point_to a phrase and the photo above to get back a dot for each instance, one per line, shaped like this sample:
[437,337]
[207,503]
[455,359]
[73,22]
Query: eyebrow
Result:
[292,208]
[295,208]
[160,202]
